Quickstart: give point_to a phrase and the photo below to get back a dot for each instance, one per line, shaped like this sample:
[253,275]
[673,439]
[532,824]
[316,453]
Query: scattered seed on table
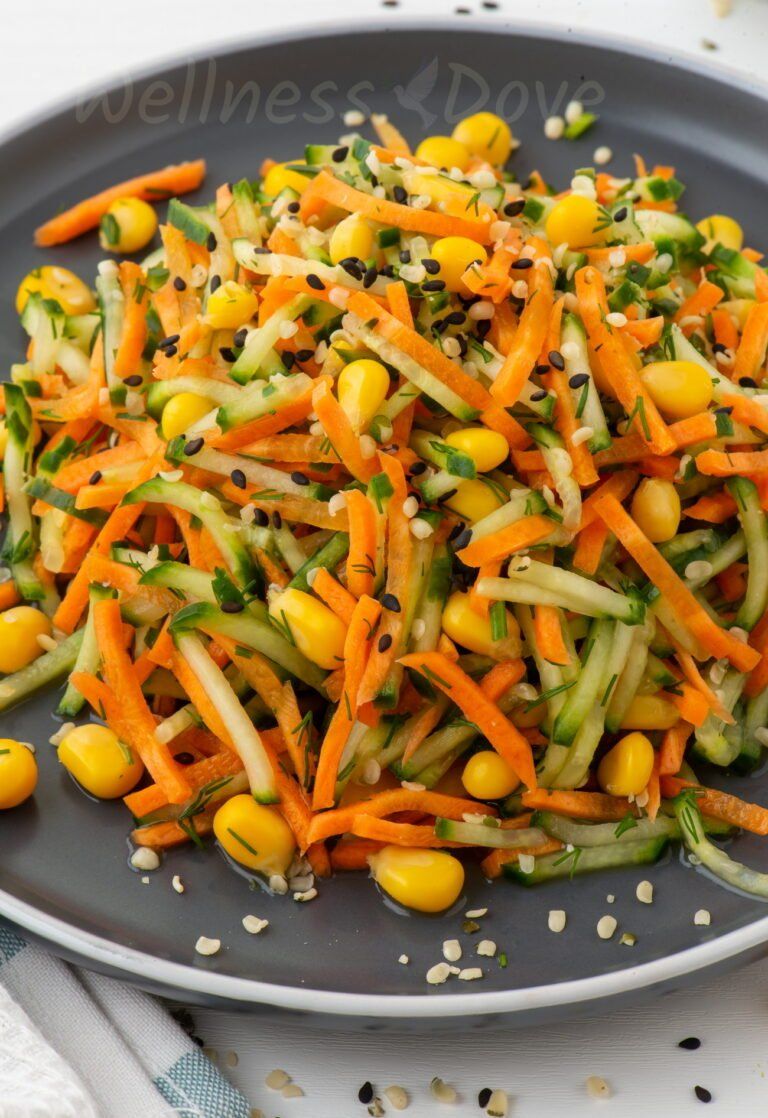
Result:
[690,1043]
[702,1094]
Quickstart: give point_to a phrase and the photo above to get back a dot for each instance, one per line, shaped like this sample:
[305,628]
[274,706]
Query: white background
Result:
[54,49]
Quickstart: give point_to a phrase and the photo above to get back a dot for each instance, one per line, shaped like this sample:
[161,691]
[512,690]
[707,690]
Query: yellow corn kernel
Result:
[317,631]
[230,305]
[18,773]
[100,762]
[575,221]
[352,237]
[650,712]
[723,230]
[19,629]
[487,776]
[53,282]
[487,449]
[443,152]
[362,388]
[182,411]
[656,508]
[475,499]
[128,225]
[255,835]
[455,255]
[626,768]
[427,880]
[472,630]
[678,388]
[280,176]
[485,135]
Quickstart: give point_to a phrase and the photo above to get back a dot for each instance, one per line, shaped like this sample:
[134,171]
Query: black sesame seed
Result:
[171,350]
[180,284]
[288,359]
[723,411]
[170,340]
[745,382]
[463,538]
[365,1094]
[193,446]
[298,478]
[400,194]
[447,496]
[210,243]
[405,256]
[232,607]
[293,207]
[387,270]
[133,381]
[215,283]
[456,531]
[541,369]
[277,520]
[702,1094]
[463,345]
[261,250]
[237,477]
[184,758]
[718,347]
[455,318]
[227,354]
[620,214]
[95,478]
[353,266]
[370,277]
[303,355]
[556,359]
[315,282]
[390,602]
[484,1096]
[417,468]
[340,155]
[385,642]
[260,518]
[539,394]
[433,285]
[240,336]
[483,327]
[522,264]
[431,266]
[515,207]
[690,1044]
[578,380]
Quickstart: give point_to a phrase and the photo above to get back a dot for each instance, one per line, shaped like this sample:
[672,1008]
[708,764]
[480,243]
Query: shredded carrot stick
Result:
[595,806]
[673,748]
[549,635]
[498,545]
[703,300]
[390,136]
[715,508]
[9,595]
[734,463]
[501,677]
[531,331]
[465,693]
[398,834]
[152,187]
[691,704]
[493,863]
[336,596]
[754,339]
[329,823]
[339,430]
[589,547]
[688,611]
[361,561]
[565,413]
[399,303]
[721,805]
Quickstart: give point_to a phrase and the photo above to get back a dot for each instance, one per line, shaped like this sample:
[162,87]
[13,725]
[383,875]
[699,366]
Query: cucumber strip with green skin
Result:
[187,715]
[219,462]
[522,502]
[736,271]
[657,670]
[329,556]
[755,718]
[262,340]
[20,543]
[183,579]
[43,490]
[393,749]
[276,263]
[554,679]
[700,539]
[630,677]
[259,399]
[552,867]
[88,657]
[425,381]
[730,552]
[710,737]
[656,224]
[543,407]
[112,309]
[48,668]
[482,834]
[586,400]
[755,527]
[288,547]
[584,695]
[445,457]
[161,391]
[432,600]
[188,221]
[683,350]
[242,732]
[252,629]
[545,585]
[45,322]
[381,425]
[247,210]
[208,509]
[716,860]
[569,831]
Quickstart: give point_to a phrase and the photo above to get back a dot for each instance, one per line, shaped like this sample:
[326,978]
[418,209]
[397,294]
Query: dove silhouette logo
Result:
[413,95]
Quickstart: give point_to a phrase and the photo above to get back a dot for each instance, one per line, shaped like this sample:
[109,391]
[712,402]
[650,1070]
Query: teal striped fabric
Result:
[195,1089]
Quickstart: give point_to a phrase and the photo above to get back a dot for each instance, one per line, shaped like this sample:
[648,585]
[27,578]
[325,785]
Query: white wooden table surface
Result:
[60,48]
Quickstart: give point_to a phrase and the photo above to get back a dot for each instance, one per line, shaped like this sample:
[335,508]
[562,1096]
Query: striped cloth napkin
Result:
[77,1045]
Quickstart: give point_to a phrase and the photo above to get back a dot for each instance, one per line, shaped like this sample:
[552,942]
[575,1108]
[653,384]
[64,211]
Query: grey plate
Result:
[63,871]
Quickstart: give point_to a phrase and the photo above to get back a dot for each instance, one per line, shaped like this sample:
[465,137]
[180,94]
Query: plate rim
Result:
[197,978]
